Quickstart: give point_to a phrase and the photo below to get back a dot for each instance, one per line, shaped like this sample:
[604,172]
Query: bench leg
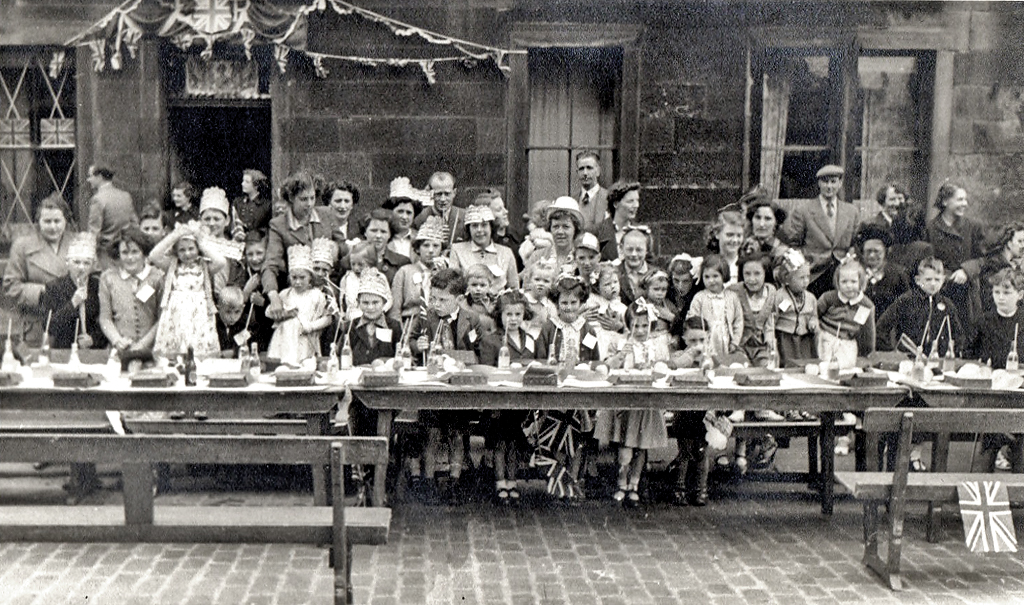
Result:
[889,568]
[940,458]
[813,476]
[137,479]
[828,461]
[82,481]
[319,424]
[380,471]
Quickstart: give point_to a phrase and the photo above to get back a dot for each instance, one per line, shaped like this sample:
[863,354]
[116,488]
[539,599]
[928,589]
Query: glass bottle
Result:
[1012,362]
[113,364]
[435,358]
[504,354]
[254,361]
[949,361]
[346,354]
[832,372]
[191,371]
[44,353]
[332,363]
[629,360]
[73,360]
[406,354]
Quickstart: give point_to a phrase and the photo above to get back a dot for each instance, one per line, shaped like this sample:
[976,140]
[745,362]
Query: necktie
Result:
[831,206]
[371,335]
[585,200]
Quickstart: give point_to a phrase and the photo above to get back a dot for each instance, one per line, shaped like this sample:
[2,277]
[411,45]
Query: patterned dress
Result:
[187,318]
[289,344]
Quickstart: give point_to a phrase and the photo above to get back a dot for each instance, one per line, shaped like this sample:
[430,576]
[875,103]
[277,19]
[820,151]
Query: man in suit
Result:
[110,211]
[593,198]
[823,228]
[442,190]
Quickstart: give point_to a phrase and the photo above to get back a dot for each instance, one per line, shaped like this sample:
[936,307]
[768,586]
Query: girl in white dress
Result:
[297,336]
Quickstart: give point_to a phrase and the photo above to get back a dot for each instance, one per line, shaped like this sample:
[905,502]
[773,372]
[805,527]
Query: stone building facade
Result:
[696,100]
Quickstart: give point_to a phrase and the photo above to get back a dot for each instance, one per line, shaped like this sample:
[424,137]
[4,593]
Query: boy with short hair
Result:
[247,276]
[588,255]
[231,320]
[921,313]
[153,223]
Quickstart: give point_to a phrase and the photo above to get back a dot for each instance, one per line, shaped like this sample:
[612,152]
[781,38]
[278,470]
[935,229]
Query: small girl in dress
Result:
[718,307]
[297,337]
[796,316]
[188,313]
[505,435]
[605,310]
[537,281]
[655,288]
[758,301]
[635,431]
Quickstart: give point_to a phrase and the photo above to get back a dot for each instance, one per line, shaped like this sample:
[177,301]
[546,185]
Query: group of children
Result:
[696,314]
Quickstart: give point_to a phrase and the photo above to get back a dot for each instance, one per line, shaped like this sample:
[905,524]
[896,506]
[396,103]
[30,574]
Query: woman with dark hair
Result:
[890,197]
[764,219]
[403,212]
[341,197]
[130,294]
[252,211]
[886,280]
[955,239]
[36,259]
[623,204]
[375,229]
[300,223]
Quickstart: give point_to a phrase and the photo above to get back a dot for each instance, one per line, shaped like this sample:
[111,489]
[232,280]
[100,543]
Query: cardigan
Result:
[854,321]
[496,257]
[122,314]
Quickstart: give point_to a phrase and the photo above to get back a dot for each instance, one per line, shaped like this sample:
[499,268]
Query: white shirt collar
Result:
[851,301]
[141,275]
[592,192]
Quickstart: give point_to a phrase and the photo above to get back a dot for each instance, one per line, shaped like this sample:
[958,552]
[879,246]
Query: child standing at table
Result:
[187,308]
[505,428]
[655,288]
[719,308]
[446,325]
[297,336]
[635,431]
[569,340]
[74,300]
[796,310]
[362,256]
[479,294]
[998,332]
[921,312]
[605,310]
[537,281]
[411,286]
[691,463]
[231,321]
[324,253]
[758,301]
[846,317]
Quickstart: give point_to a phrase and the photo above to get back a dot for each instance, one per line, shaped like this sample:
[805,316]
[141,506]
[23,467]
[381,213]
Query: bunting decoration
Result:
[557,442]
[985,511]
[248,23]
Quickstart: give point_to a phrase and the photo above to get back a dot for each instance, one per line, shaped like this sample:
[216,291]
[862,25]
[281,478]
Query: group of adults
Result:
[826,229]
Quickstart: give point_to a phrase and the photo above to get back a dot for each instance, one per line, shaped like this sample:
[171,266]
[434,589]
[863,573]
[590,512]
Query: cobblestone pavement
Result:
[755,543]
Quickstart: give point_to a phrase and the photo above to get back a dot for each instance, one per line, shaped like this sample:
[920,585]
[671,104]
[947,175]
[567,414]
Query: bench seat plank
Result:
[261,524]
[924,486]
[219,426]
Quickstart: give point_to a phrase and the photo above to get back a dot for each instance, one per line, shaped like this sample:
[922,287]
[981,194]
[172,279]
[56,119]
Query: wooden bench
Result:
[142,520]
[895,489]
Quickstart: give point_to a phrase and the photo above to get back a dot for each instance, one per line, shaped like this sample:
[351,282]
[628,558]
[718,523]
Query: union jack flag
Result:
[213,16]
[985,510]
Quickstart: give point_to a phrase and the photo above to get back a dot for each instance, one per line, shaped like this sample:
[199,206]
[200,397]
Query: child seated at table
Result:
[73,300]
[232,329]
[297,335]
[480,294]
[635,431]
[504,433]
[921,313]
[997,333]
[537,281]
[605,311]
[446,325]
[691,463]
[569,340]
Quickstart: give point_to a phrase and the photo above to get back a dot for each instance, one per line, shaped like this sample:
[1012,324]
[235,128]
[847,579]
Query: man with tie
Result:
[823,228]
[442,191]
[593,197]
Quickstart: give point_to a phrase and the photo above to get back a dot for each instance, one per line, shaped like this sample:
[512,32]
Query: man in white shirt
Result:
[593,198]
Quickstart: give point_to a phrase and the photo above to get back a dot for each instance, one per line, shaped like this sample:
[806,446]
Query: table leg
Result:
[319,424]
[380,471]
[828,460]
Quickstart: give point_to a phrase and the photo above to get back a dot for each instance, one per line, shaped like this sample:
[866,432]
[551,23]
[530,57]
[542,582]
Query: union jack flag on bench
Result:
[985,511]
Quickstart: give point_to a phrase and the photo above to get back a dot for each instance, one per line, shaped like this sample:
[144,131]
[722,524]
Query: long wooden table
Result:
[826,401]
[313,403]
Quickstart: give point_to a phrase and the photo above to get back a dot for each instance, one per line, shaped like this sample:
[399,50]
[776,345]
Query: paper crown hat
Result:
[589,241]
[478,214]
[402,188]
[214,198]
[300,257]
[374,282]
[324,250]
[432,229]
[82,247]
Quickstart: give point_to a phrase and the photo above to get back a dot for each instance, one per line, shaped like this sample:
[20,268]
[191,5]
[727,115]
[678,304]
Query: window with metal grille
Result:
[37,131]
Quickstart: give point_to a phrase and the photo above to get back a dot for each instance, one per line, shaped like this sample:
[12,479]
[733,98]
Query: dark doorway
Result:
[213,145]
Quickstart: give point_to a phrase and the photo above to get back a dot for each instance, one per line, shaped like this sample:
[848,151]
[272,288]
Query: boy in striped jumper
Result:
[846,317]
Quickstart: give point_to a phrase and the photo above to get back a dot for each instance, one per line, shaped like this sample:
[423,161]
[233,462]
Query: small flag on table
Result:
[985,510]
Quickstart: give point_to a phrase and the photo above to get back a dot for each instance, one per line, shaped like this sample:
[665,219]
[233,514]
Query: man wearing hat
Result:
[823,228]
[593,198]
[481,249]
[442,191]
[110,210]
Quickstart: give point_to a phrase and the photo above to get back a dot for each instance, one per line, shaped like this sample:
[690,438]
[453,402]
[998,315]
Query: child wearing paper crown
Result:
[635,431]
[411,287]
[187,308]
[324,252]
[74,299]
[214,210]
[297,336]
